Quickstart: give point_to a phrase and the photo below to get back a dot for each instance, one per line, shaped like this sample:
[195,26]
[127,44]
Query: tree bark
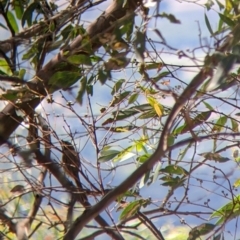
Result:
[9,119]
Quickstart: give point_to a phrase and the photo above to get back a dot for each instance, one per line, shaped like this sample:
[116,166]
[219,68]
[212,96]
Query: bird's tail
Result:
[81,191]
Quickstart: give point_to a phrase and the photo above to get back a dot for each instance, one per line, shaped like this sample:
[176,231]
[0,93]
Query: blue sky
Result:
[180,36]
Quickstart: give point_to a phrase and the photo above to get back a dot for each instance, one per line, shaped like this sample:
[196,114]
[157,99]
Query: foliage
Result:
[158,145]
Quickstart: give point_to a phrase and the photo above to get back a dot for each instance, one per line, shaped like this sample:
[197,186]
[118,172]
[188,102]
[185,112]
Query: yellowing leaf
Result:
[237,183]
[228,5]
[119,45]
[156,106]
[158,110]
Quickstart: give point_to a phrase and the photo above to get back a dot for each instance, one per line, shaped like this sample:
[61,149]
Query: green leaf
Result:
[160,76]
[207,105]
[220,26]
[18,7]
[220,5]
[117,86]
[174,169]
[120,116]
[80,59]
[125,154]
[234,125]
[170,17]
[121,129]
[133,98]
[200,230]
[4,67]
[86,43]
[103,76]
[21,73]
[214,156]
[66,31]
[144,179]
[219,124]
[107,155]
[63,80]
[141,108]
[149,114]
[140,146]
[208,24]
[171,140]
[143,158]
[90,90]
[55,45]
[129,112]
[139,45]
[30,53]
[52,26]
[131,209]
[184,152]
[96,59]
[179,129]
[91,80]
[128,28]
[82,90]
[3,26]
[198,120]
[27,15]
[173,182]
[80,30]
[218,237]
[223,68]
[11,96]
[12,21]
[227,20]
[228,212]
[124,114]
[20,94]
[157,171]
[154,66]
[119,98]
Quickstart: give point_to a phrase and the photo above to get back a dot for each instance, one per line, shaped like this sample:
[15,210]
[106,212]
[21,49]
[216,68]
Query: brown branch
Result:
[11,79]
[8,221]
[145,220]
[97,233]
[37,29]
[69,218]
[55,170]
[9,120]
[146,166]
[23,226]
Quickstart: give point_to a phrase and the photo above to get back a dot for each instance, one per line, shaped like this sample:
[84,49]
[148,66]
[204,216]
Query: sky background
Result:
[181,37]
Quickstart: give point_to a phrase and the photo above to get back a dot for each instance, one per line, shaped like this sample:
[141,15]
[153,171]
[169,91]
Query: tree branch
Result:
[146,166]
[9,120]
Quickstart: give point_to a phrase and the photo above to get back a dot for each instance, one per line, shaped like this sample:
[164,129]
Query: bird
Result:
[71,164]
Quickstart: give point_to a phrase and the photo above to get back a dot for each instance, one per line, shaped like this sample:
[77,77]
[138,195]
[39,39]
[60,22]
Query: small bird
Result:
[71,164]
